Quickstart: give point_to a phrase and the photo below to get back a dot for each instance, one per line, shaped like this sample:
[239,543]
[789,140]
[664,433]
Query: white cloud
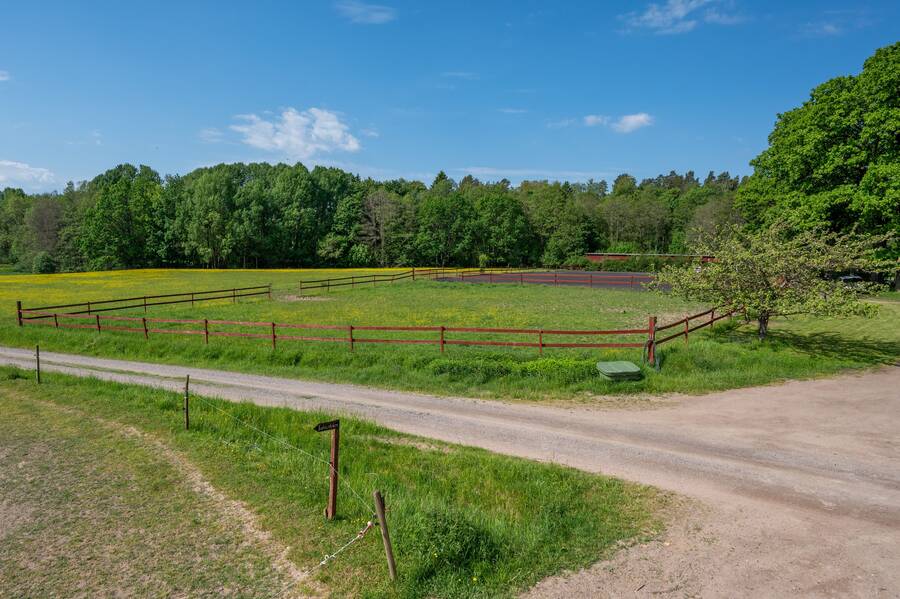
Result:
[592,120]
[370,132]
[19,173]
[210,135]
[681,16]
[632,122]
[366,14]
[297,135]
[513,110]
[532,173]
[4,76]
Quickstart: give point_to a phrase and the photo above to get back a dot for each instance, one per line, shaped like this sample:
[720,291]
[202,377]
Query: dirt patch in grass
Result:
[86,513]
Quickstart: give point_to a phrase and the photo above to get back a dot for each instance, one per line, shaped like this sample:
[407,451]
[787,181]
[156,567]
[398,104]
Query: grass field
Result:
[726,357]
[91,506]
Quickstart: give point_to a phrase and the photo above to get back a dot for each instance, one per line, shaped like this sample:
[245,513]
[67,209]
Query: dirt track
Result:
[794,489]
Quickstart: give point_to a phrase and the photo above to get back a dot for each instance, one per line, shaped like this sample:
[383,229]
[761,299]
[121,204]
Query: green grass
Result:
[465,522]
[726,357]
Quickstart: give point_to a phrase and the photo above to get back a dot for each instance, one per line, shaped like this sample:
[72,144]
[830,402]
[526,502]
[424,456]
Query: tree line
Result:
[264,215]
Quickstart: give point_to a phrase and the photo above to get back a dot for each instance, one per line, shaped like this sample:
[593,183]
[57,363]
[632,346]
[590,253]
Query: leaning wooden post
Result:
[385,535]
[187,406]
[651,341]
[146,332]
[335,427]
[37,358]
[98,323]
[55,321]
[19,311]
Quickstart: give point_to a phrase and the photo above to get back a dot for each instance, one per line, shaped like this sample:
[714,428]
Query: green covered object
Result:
[620,371]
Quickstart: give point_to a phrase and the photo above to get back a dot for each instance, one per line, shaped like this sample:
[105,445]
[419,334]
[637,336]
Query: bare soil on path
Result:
[789,490]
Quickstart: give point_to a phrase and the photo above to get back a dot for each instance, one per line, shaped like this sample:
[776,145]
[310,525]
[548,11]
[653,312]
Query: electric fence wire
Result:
[362,533]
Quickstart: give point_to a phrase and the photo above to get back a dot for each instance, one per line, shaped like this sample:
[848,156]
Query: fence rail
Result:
[687,328]
[273,330]
[145,301]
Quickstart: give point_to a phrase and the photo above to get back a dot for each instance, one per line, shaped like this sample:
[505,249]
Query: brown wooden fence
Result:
[349,334]
[144,301]
[441,336]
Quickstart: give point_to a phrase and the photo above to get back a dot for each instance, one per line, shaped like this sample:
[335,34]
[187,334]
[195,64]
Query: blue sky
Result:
[556,90]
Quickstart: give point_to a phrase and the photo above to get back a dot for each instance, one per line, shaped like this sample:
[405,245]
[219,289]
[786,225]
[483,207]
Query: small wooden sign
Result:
[327,426]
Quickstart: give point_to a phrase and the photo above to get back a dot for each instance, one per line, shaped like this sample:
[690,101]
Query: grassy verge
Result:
[725,357]
[465,522]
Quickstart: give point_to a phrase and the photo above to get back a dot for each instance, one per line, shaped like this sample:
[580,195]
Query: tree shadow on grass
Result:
[826,345]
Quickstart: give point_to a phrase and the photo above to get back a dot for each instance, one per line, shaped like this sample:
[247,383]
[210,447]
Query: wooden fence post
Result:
[687,326]
[234,296]
[192,299]
[145,304]
[273,335]
[98,323]
[385,535]
[442,338]
[206,330]
[350,331]
[335,427]
[270,291]
[414,273]
[89,307]
[541,342]
[301,288]
[37,358]
[19,311]
[146,332]
[187,406]
[55,321]
[651,341]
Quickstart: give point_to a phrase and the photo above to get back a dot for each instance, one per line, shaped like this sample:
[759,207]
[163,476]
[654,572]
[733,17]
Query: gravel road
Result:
[790,489]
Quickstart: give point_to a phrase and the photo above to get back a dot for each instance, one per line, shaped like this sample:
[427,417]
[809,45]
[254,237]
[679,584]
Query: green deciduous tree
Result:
[771,273]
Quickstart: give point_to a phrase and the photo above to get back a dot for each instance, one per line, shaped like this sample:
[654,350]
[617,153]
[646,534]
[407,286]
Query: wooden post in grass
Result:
[301,288]
[206,330]
[187,406]
[19,311]
[385,535]
[651,341]
[37,357]
[234,296]
[146,332]
[89,307]
[192,299]
[273,335]
[335,427]
[145,304]
[55,321]
[270,291]
[350,332]
[98,323]
[442,338]
[541,342]
[414,273]
[687,326]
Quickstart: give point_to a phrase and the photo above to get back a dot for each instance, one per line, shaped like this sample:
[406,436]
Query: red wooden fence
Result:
[273,330]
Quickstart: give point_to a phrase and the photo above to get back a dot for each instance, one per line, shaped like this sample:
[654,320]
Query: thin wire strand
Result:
[286,443]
